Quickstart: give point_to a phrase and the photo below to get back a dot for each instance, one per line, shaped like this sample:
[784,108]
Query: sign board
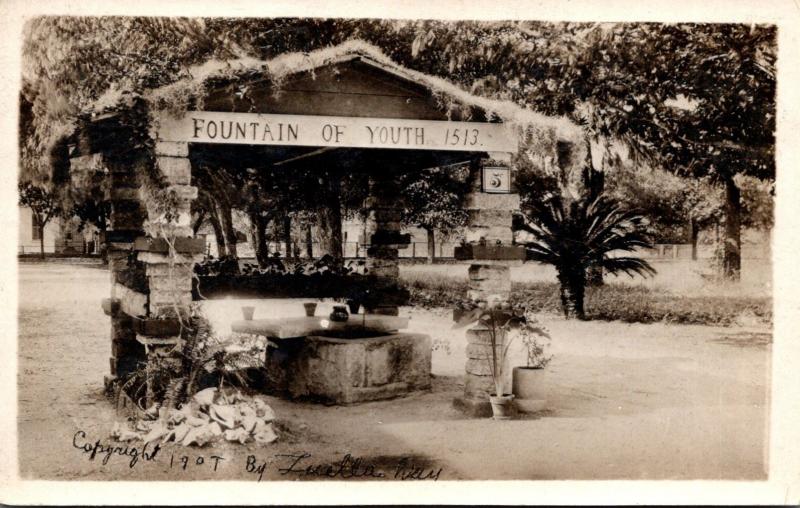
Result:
[332,131]
[497,180]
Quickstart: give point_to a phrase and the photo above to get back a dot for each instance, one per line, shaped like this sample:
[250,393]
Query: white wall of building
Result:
[27,244]
[61,236]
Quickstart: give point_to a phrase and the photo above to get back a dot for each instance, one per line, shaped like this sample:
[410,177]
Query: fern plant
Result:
[174,379]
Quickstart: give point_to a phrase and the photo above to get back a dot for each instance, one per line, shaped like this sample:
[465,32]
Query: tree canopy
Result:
[695,99]
[699,97]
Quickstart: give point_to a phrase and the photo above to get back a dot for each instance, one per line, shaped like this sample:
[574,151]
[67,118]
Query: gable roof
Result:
[288,64]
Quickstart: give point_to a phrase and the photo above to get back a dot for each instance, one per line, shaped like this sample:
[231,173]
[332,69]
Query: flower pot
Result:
[502,406]
[528,387]
[310,308]
[339,314]
[353,305]
[247,312]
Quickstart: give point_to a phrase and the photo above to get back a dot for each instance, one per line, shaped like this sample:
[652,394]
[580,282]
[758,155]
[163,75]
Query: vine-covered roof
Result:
[187,93]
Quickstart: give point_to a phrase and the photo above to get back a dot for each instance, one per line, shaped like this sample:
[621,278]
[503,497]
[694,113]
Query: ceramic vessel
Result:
[339,313]
[502,406]
[528,387]
[353,305]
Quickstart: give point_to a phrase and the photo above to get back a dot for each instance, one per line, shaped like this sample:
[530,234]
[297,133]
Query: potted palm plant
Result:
[501,320]
[528,381]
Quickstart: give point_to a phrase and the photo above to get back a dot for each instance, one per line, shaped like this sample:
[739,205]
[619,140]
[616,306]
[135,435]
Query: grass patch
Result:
[430,290]
[642,305]
[611,302]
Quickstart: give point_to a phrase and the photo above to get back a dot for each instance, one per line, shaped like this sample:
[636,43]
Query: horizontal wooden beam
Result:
[216,127]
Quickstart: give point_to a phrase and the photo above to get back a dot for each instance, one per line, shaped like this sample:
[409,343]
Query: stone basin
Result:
[346,371]
[357,326]
[364,358]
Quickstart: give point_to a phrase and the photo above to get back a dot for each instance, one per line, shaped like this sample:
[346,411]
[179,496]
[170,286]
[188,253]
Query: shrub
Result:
[433,290]
[225,265]
[611,302]
[642,305]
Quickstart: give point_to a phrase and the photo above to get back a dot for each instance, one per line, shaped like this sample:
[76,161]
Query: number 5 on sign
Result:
[497,180]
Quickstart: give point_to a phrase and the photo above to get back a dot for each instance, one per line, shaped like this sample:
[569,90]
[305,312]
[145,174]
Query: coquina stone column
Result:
[490,250]
[151,256]
[385,240]
[168,252]
[128,283]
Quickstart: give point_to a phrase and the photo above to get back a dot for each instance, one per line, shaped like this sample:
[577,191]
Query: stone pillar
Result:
[128,283]
[487,283]
[490,250]
[168,252]
[385,239]
[151,262]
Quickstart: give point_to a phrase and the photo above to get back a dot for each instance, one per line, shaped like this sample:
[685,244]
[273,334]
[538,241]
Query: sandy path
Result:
[637,401]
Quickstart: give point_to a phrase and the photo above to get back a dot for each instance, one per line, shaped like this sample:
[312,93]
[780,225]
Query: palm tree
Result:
[582,234]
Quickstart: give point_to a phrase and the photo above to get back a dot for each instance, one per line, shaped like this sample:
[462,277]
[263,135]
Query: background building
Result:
[61,236]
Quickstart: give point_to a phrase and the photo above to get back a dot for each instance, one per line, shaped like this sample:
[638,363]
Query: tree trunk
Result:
[219,236]
[252,236]
[41,240]
[260,239]
[309,243]
[226,219]
[572,286]
[198,221]
[594,275]
[431,245]
[287,235]
[330,221]
[101,248]
[694,233]
[731,257]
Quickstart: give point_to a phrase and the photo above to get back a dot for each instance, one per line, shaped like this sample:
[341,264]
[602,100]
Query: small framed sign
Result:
[497,180]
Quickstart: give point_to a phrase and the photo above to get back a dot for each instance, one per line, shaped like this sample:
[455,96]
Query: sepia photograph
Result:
[393,249]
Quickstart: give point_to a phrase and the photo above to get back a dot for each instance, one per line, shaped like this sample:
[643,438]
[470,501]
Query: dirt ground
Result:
[626,401]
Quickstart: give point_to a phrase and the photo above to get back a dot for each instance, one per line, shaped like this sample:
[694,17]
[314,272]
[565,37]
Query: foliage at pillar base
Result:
[504,322]
[584,233]
[202,360]
[536,340]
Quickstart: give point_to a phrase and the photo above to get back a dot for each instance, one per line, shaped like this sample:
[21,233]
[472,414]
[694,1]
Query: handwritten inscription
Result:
[183,462]
[294,464]
[106,451]
[308,130]
[300,464]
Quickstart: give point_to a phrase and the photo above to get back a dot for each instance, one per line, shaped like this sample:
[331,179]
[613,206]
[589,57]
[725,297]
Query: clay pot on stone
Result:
[528,389]
[353,305]
[502,406]
[339,314]
[247,312]
[310,308]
